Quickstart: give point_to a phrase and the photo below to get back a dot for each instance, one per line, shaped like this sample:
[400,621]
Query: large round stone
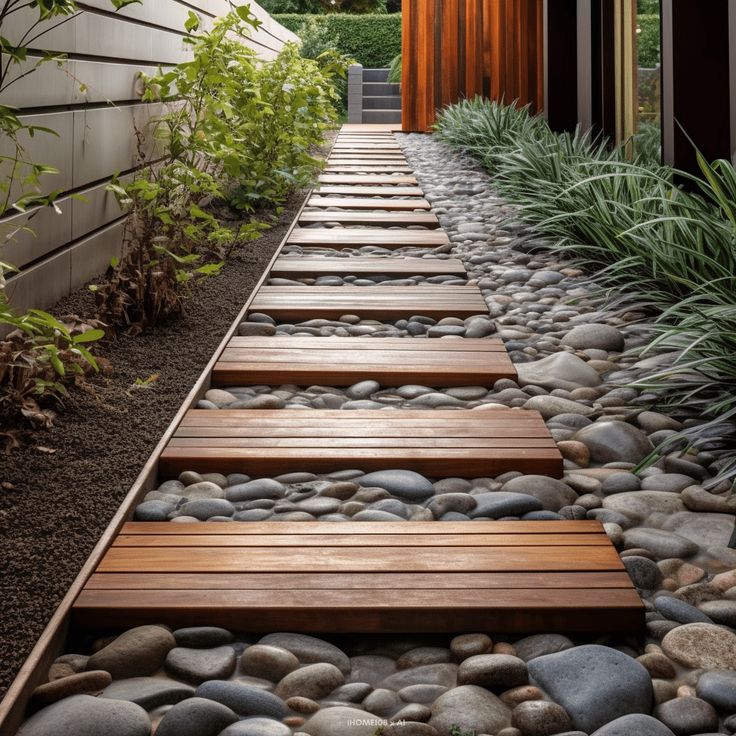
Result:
[148,692]
[315,681]
[540,718]
[429,674]
[559,370]
[594,337]
[686,716]
[406,484]
[257,727]
[499,504]
[196,717]
[613,441]
[469,708]
[538,645]
[634,725]
[84,715]
[594,684]
[136,652]
[719,689]
[309,649]
[82,683]
[664,545]
[199,665]
[268,663]
[341,721]
[643,572]
[243,699]
[701,646]
[552,494]
[496,672]
[640,505]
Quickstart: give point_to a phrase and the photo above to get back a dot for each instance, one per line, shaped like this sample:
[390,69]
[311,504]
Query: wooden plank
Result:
[376,219]
[363,203]
[366,179]
[361,559]
[375,302]
[367,168]
[366,161]
[380,191]
[350,237]
[302,267]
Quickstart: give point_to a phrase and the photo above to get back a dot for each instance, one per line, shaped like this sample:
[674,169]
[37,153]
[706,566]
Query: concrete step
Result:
[382,103]
[375,75]
[375,89]
[382,116]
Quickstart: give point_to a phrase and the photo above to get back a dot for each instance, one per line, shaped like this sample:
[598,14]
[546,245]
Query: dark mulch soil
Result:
[60,503]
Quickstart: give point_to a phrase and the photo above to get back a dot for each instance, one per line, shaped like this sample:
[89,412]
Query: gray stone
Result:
[705,530]
[539,645]
[255,490]
[341,721]
[620,483]
[84,715]
[382,702]
[196,717]
[461,503]
[540,718]
[309,649]
[614,441]
[594,684]
[701,646]
[719,689]
[199,665]
[255,329]
[722,612]
[257,727]
[495,672]
[499,504]
[268,663]
[559,370]
[148,692]
[363,390]
[137,652]
[422,656]
[206,508]
[314,681]
[553,494]
[634,725]
[594,336]
[669,482]
[660,543]
[372,669]
[551,406]
[403,483]
[470,645]
[153,511]
[676,610]
[643,572]
[243,699]
[687,716]
[639,505]
[200,637]
[430,674]
[197,491]
[469,708]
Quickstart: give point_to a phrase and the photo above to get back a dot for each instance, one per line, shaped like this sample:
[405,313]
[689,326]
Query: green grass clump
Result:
[650,243]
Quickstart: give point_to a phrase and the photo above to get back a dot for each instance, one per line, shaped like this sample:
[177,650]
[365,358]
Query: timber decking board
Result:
[440,443]
[364,191]
[338,237]
[370,168]
[345,361]
[300,303]
[303,266]
[355,161]
[317,576]
[368,203]
[366,179]
[376,219]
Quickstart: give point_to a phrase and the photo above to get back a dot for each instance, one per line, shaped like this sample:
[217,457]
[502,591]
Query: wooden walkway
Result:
[341,577]
[388,577]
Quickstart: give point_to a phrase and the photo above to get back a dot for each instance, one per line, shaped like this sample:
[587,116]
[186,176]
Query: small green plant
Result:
[455,730]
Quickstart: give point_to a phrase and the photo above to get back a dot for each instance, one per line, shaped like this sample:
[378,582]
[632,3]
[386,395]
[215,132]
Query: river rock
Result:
[202,637]
[705,530]
[243,699]
[268,663]
[559,370]
[701,646]
[75,684]
[496,672]
[255,490]
[136,652]
[551,406]
[315,681]
[676,610]
[196,717]
[309,649]
[499,504]
[257,727]
[663,545]
[688,715]
[469,708]
[553,494]
[148,692]
[199,665]
[430,674]
[540,718]
[341,721]
[614,441]
[405,484]
[640,505]
[84,715]
[538,645]
[719,689]
[594,684]
[594,337]
[634,725]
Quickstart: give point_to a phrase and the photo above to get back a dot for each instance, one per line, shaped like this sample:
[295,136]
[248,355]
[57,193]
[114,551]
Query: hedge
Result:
[372,40]
[649,41]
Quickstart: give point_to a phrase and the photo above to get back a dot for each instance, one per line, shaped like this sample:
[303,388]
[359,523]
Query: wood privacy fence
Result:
[105,51]
[463,48]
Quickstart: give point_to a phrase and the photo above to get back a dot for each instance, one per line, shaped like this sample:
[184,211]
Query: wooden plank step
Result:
[368,203]
[360,168]
[296,267]
[344,237]
[357,161]
[379,191]
[367,179]
[299,303]
[384,219]
[345,361]
[437,443]
[354,577]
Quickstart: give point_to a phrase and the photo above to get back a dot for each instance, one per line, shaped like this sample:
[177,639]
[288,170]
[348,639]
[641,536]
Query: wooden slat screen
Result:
[463,48]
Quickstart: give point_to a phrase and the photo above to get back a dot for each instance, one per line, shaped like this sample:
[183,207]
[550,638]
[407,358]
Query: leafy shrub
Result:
[325,6]
[394,71]
[372,40]
[650,244]
[236,132]
[648,7]
[649,41]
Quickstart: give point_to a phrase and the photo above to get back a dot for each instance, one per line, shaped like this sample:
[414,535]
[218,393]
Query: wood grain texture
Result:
[356,237]
[303,266]
[375,219]
[367,203]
